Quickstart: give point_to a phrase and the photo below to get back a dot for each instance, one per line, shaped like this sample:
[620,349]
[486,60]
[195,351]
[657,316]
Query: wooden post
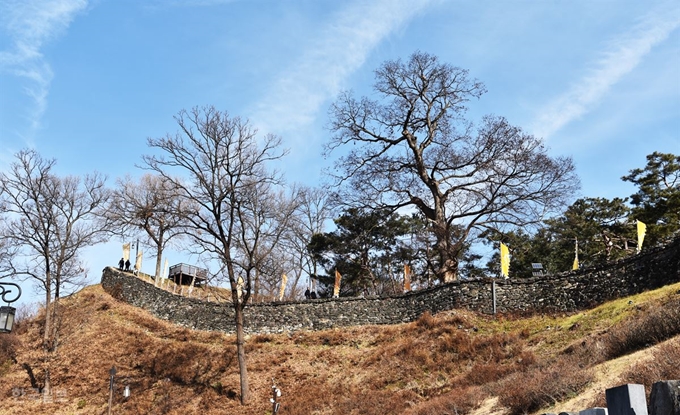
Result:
[493,295]
[112,372]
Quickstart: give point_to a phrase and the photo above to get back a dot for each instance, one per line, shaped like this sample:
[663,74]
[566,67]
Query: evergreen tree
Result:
[368,248]
[657,201]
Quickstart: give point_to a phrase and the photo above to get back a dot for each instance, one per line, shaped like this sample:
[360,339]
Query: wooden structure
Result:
[184,274]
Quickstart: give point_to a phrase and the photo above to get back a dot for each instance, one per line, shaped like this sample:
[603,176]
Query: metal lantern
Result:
[6,312]
[6,318]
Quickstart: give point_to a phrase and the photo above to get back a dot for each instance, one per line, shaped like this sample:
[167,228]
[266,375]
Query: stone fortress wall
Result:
[568,291]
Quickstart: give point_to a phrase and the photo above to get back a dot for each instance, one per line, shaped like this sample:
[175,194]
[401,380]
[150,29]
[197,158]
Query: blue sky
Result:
[86,82]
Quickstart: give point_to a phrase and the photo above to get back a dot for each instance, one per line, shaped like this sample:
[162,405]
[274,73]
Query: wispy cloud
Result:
[30,24]
[342,48]
[164,4]
[622,55]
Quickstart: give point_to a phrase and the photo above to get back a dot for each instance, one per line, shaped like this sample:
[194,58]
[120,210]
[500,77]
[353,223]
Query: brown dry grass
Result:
[450,363]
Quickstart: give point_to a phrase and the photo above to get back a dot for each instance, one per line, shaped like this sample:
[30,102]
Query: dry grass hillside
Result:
[455,362]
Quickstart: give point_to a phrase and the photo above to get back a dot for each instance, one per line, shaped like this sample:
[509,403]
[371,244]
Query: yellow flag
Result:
[336,289]
[505,260]
[641,230]
[575,266]
[407,278]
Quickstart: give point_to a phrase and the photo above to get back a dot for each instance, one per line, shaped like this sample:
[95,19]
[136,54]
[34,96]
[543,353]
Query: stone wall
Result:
[567,292]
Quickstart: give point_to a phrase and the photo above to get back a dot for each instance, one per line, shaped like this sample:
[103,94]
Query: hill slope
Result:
[454,362]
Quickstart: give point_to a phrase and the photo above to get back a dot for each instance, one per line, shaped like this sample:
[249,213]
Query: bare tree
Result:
[414,148]
[49,220]
[311,216]
[265,220]
[229,183]
[153,206]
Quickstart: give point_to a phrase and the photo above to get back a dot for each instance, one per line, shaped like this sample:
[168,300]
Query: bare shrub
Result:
[663,365]
[497,347]
[188,363]
[459,401]
[341,399]
[482,373]
[263,338]
[415,351]
[8,351]
[426,321]
[459,342]
[373,402]
[656,325]
[543,385]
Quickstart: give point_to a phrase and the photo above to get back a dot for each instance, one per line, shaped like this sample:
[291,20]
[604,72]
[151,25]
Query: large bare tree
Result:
[413,147]
[48,221]
[153,206]
[226,178]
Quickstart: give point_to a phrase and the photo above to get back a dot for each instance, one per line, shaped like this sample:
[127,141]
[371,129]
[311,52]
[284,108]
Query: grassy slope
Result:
[454,361]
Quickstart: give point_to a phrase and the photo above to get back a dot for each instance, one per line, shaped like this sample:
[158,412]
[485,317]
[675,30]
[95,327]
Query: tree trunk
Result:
[256,287]
[446,251]
[47,389]
[448,269]
[159,260]
[48,312]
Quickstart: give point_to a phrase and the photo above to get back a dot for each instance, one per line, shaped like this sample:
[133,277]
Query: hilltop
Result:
[453,362]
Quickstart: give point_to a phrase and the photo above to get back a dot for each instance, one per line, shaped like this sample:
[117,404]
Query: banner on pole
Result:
[641,231]
[126,251]
[505,260]
[336,288]
[407,278]
[575,266]
[138,261]
[282,290]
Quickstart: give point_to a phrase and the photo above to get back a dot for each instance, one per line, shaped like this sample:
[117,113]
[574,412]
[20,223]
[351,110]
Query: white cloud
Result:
[622,56]
[319,73]
[30,24]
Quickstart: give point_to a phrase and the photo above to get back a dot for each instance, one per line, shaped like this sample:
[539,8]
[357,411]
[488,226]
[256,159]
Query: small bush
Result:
[542,386]
[460,401]
[263,338]
[663,365]
[658,324]
[426,321]
[482,373]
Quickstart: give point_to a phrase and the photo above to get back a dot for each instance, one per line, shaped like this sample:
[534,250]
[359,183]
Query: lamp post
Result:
[112,375]
[112,386]
[276,394]
[7,312]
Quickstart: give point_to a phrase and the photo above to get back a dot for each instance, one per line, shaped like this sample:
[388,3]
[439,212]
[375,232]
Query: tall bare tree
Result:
[227,179]
[49,221]
[413,147]
[153,206]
